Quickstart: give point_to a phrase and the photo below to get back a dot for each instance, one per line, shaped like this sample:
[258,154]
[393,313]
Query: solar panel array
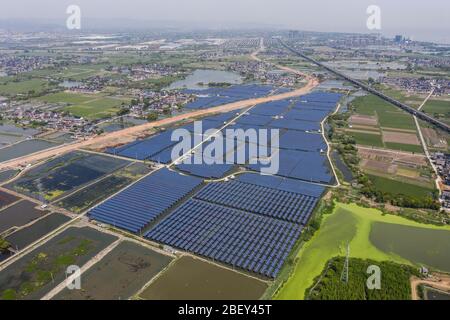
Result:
[280,204]
[251,222]
[219,96]
[238,238]
[135,207]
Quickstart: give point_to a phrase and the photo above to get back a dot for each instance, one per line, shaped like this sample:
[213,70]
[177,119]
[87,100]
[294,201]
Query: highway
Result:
[419,114]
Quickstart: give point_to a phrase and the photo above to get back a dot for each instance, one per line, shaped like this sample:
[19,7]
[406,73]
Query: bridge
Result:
[419,114]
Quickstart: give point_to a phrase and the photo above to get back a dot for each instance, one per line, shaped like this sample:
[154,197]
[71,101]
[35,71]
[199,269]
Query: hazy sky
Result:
[417,18]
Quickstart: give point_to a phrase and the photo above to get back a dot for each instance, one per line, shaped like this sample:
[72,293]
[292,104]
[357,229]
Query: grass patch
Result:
[367,139]
[348,224]
[399,187]
[404,147]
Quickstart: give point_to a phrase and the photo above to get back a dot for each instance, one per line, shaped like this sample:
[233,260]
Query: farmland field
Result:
[6,199]
[19,214]
[194,279]
[64,174]
[35,274]
[367,139]
[12,88]
[91,195]
[347,224]
[30,234]
[131,265]
[90,106]
[400,187]
[24,148]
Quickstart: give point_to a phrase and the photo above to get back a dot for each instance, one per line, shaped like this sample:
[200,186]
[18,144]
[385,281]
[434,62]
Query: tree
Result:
[152,116]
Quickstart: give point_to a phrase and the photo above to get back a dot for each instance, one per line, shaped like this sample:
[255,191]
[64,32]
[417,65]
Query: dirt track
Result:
[442,283]
[134,131]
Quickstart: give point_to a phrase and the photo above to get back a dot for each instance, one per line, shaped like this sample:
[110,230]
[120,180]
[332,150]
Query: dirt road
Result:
[441,282]
[113,137]
[133,131]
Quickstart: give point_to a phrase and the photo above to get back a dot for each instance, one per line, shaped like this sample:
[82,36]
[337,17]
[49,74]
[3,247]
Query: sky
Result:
[419,19]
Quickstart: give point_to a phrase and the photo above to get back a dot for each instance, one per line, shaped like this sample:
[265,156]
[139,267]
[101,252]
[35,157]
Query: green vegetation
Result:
[349,224]
[23,87]
[399,187]
[40,270]
[367,139]
[388,115]
[398,193]
[4,245]
[89,106]
[394,282]
[404,147]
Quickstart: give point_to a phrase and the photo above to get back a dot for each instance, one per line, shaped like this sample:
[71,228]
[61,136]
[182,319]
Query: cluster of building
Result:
[442,163]
[419,85]
[26,115]
[13,64]
[263,72]
[158,101]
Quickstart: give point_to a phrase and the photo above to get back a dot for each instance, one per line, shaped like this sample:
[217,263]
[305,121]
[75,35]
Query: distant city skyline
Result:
[420,20]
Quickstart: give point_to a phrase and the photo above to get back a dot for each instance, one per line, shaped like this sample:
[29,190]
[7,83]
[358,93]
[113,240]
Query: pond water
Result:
[24,148]
[206,76]
[346,172]
[424,246]
[10,134]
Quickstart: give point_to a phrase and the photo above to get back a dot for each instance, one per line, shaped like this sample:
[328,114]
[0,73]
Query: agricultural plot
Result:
[19,215]
[90,106]
[193,279]
[379,124]
[24,237]
[64,174]
[23,87]
[7,175]
[439,109]
[38,272]
[25,148]
[6,199]
[10,134]
[130,265]
[91,195]
[401,187]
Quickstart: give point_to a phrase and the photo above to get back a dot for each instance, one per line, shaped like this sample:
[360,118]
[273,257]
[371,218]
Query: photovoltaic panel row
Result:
[282,183]
[302,141]
[274,108]
[306,114]
[291,124]
[307,166]
[280,204]
[240,239]
[135,207]
[143,149]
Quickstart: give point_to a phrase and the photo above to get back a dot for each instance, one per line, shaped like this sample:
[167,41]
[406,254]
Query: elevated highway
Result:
[419,114]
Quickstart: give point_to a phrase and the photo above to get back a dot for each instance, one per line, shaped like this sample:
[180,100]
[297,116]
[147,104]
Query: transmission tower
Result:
[344,274]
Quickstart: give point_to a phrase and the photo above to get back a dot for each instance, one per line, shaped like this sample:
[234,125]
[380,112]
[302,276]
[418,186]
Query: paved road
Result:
[371,90]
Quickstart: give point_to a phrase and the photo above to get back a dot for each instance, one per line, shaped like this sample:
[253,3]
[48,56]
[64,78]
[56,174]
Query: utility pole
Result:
[344,274]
